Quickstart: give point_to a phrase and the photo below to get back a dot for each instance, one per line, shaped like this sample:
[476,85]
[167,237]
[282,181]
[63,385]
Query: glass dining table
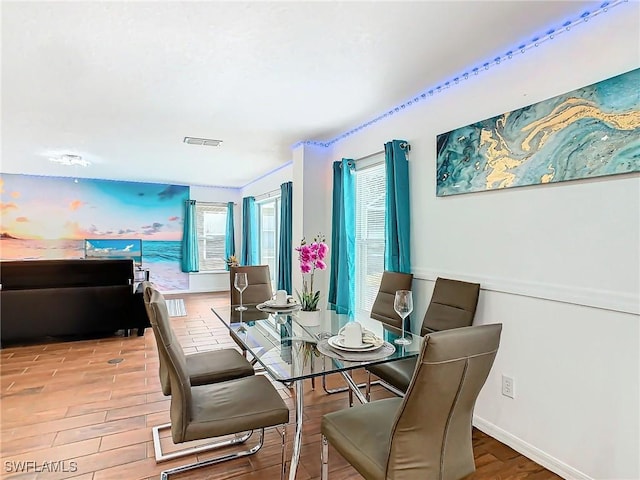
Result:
[291,351]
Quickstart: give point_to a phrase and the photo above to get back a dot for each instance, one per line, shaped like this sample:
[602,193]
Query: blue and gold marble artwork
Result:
[590,132]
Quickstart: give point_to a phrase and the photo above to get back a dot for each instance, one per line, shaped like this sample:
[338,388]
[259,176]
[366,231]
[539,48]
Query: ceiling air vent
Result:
[70,160]
[207,142]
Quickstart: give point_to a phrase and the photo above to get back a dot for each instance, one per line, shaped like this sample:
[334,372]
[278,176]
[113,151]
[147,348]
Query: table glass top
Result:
[287,348]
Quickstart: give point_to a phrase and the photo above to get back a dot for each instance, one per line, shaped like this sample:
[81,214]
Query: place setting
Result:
[280,303]
[355,343]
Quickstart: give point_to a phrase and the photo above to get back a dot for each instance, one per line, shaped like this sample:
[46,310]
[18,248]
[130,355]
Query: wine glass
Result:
[403,305]
[241,283]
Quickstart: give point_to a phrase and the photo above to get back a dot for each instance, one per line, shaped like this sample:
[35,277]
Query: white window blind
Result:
[370,214]
[269,218]
[212,226]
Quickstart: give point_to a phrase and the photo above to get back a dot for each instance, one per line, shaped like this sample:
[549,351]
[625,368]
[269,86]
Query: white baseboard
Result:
[607,300]
[529,451]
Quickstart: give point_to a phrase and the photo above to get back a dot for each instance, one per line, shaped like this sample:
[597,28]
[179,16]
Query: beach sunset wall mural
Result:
[50,217]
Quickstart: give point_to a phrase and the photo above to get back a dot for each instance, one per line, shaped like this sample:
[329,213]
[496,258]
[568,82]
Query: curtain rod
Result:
[270,194]
[212,203]
[369,156]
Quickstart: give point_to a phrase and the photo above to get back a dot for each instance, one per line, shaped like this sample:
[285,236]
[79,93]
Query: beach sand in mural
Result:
[167,277]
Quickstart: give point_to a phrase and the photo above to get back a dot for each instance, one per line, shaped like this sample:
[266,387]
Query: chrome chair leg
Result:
[283,472]
[350,373]
[312,368]
[331,391]
[206,463]
[353,390]
[383,384]
[389,387]
[324,459]
[163,457]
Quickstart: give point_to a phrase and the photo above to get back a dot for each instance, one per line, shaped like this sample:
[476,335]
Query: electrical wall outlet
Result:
[508,387]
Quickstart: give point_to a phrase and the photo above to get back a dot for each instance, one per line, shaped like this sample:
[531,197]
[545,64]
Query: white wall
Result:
[270,182]
[312,197]
[559,264]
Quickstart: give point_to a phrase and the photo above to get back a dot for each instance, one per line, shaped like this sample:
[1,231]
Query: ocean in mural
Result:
[50,218]
[162,258]
[591,132]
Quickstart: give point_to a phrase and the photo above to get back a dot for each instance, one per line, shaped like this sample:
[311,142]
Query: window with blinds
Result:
[269,218]
[212,226]
[370,213]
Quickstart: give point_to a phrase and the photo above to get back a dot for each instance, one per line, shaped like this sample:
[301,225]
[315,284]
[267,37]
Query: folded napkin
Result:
[371,338]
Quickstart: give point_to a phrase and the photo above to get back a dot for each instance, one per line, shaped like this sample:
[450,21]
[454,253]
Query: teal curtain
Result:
[397,254]
[190,261]
[250,254]
[342,284]
[285,247]
[230,237]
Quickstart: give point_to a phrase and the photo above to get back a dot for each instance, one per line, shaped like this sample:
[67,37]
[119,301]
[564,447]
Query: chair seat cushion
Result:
[217,366]
[247,403]
[362,435]
[397,373]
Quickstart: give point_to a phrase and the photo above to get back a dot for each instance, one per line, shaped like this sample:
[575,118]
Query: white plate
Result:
[273,304]
[263,307]
[337,341]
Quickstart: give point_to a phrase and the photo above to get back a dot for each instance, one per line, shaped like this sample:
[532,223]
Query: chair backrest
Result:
[431,437]
[159,325]
[181,402]
[259,289]
[165,383]
[382,308]
[453,305]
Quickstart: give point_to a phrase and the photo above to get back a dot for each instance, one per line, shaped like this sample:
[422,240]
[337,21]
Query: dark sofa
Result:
[43,298]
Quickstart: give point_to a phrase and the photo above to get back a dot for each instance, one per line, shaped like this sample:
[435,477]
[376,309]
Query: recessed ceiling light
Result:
[207,142]
[70,160]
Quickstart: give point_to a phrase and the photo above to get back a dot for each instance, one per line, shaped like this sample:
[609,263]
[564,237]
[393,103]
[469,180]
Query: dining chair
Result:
[426,433]
[259,284]
[382,310]
[258,290]
[453,305]
[203,368]
[234,407]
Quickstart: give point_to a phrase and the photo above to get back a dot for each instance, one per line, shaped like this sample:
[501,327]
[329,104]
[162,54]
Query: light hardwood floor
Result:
[66,403]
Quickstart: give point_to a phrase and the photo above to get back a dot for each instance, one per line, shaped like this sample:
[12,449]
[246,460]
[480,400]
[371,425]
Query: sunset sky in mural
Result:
[57,208]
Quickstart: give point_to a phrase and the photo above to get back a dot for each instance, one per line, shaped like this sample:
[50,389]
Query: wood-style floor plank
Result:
[64,401]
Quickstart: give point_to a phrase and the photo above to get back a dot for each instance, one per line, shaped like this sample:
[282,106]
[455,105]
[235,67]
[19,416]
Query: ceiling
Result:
[122,83]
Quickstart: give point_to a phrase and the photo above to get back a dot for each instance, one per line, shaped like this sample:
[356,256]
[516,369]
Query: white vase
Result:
[309,319]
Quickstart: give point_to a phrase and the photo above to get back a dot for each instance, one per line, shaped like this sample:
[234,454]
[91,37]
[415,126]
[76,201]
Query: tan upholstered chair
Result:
[453,305]
[259,289]
[426,434]
[203,368]
[382,308]
[208,411]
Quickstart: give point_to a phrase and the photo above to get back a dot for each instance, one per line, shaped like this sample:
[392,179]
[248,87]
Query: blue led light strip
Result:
[536,41]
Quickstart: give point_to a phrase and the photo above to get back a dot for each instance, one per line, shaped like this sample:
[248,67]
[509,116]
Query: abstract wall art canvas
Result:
[590,132]
[50,218]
